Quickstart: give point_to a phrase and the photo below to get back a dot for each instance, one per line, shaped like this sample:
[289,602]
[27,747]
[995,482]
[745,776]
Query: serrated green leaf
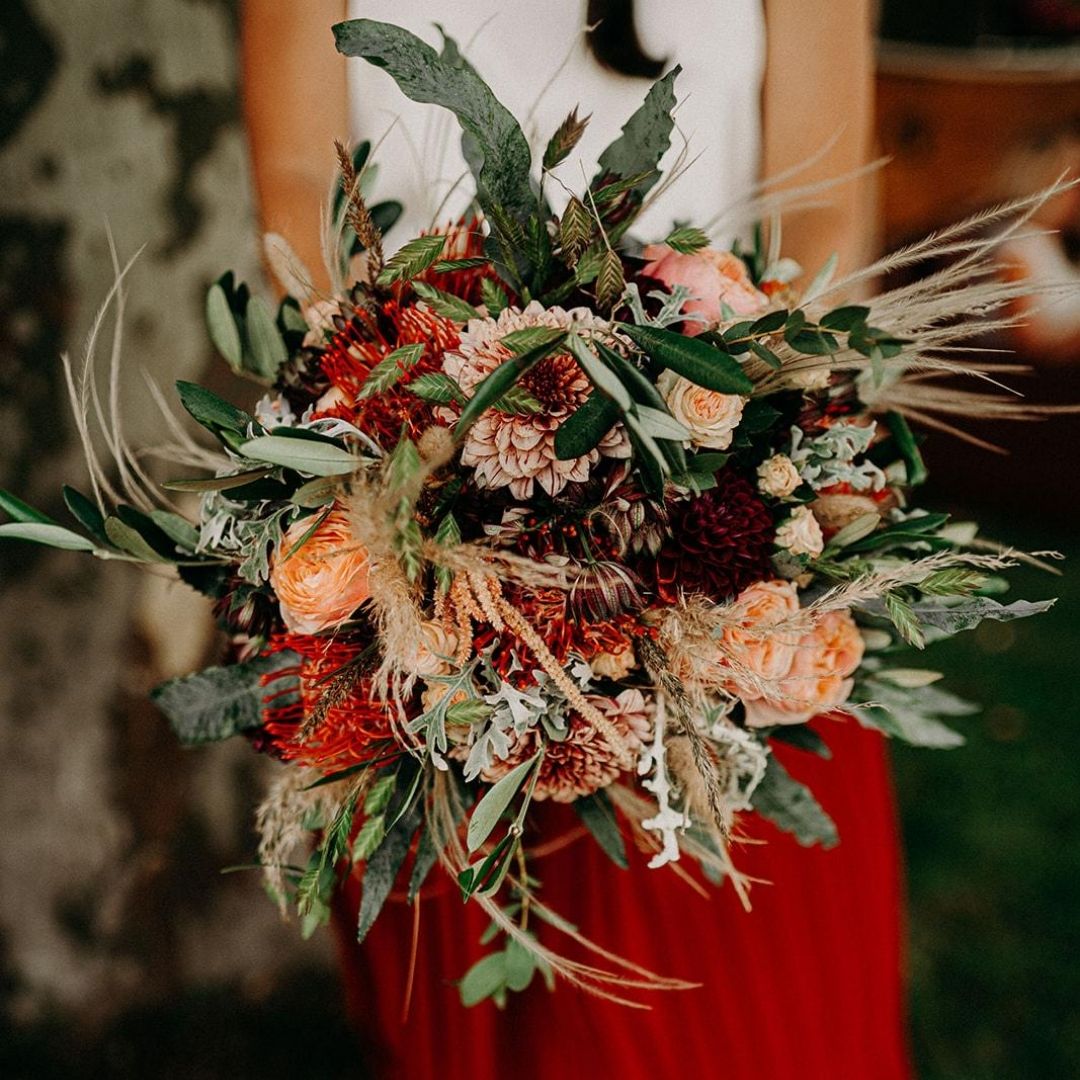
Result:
[703,364]
[218,702]
[449,266]
[391,369]
[567,136]
[498,147]
[222,327]
[517,401]
[371,835]
[382,870]
[495,385]
[522,341]
[490,808]
[904,619]
[645,137]
[316,458]
[493,296]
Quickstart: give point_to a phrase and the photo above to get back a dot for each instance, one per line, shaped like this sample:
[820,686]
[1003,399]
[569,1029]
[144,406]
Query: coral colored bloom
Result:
[756,648]
[325,580]
[819,679]
[713,278]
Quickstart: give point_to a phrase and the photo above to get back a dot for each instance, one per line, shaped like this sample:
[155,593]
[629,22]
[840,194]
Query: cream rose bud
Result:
[710,417]
[615,666]
[801,533]
[778,476]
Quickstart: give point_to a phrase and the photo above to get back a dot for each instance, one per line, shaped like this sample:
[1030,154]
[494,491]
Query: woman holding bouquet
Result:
[808,984]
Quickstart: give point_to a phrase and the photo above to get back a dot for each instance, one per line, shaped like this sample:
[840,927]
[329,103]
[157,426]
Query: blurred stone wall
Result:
[121,115]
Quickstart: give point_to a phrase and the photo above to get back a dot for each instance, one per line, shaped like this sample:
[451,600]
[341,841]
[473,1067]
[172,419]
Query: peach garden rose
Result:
[710,417]
[819,677]
[320,584]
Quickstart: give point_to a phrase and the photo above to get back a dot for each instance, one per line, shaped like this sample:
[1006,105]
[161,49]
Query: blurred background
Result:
[123,949]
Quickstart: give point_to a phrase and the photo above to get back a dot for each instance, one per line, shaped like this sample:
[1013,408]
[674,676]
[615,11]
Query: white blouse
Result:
[533,55]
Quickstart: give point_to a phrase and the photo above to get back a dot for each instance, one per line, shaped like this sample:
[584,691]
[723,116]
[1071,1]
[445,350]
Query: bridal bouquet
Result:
[530,512]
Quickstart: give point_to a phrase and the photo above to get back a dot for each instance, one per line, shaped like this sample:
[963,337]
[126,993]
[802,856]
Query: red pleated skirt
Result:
[807,985]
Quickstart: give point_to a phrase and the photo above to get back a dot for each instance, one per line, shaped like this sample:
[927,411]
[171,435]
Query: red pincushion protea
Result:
[719,544]
[355,726]
[355,350]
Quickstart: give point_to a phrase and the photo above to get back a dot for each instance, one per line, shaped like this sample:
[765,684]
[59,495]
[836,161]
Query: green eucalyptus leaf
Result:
[17,510]
[40,532]
[267,351]
[316,458]
[695,360]
[221,324]
[484,979]
[210,411]
[490,808]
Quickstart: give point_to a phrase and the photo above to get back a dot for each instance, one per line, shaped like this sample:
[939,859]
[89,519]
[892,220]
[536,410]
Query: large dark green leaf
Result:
[598,816]
[499,382]
[382,870]
[425,76]
[219,702]
[645,137]
[583,429]
[18,510]
[695,360]
[212,412]
[792,807]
